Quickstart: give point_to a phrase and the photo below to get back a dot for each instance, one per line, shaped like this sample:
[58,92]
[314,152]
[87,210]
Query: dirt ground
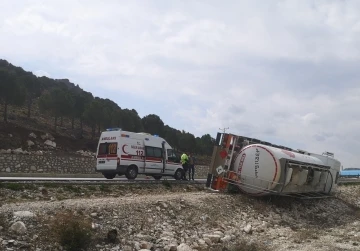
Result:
[177,217]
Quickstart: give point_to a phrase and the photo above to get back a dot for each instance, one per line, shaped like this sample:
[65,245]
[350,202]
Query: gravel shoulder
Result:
[180,218]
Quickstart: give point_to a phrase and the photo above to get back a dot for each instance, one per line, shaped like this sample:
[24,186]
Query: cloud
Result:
[281,71]
[41,73]
[310,118]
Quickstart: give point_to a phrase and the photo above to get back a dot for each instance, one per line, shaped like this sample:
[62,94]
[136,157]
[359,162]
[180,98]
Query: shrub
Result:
[105,188]
[166,184]
[72,232]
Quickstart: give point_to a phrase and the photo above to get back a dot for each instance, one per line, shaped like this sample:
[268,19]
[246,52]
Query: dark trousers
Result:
[185,167]
[191,171]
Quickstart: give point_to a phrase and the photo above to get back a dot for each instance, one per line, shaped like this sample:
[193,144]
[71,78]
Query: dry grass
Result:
[72,232]
[3,220]
[305,235]
[243,245]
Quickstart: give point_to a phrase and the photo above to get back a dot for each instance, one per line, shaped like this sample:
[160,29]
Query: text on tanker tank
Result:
[241,162]
[257,158]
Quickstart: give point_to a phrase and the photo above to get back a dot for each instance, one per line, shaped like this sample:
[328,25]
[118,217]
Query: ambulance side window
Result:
[149,151]
[102,149]
[153,152]
[157,152]
[112,148]
[170,153]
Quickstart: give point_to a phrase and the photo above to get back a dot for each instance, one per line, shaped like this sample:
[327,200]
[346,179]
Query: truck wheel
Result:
[109,176]
[178,174]
[157,177]
[131,172]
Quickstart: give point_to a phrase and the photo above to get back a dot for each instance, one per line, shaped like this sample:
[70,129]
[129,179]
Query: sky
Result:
[283,71]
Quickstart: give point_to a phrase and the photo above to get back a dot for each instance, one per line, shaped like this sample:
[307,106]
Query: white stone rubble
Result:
[187,221]
[47,136]
[32,135]
[50,143]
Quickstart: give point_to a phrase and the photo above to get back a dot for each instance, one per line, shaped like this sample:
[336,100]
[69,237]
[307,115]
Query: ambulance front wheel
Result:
[131,172]
[178,174]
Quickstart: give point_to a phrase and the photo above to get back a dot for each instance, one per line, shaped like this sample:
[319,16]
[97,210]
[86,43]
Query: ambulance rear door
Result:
[107,156]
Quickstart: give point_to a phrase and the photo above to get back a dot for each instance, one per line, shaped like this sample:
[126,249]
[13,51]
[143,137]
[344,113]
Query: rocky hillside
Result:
[168,217]
[74,116]
[20,140]
[14,136]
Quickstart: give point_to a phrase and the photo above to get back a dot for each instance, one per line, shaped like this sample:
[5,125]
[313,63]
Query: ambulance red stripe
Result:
[107,156]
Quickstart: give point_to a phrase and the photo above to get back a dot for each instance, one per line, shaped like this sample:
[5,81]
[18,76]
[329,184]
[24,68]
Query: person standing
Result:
[191,166]
[185,163]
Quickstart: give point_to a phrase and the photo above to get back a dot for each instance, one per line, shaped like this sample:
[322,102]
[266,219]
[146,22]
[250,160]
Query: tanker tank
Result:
[264,169]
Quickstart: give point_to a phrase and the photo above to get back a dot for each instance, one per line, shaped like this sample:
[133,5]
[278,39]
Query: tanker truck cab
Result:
[129,153]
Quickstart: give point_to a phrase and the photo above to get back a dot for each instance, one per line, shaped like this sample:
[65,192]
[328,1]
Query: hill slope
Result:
[74,117]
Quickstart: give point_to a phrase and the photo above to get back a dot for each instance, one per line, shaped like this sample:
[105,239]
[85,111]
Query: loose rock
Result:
[18,227]
[248,229]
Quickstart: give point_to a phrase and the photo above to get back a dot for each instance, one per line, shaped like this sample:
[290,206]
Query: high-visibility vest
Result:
[184,158]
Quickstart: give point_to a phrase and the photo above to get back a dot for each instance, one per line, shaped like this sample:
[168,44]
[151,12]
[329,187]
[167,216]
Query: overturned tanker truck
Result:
[260,168]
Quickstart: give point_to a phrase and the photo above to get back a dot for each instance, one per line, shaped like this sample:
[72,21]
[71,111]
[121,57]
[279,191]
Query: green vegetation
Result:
[71,188]
[166,184]
[17,186]
[92,188]
[60,99]
[50,185]
[105,188]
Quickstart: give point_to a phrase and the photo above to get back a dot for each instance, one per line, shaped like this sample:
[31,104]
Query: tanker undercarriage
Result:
[259,168]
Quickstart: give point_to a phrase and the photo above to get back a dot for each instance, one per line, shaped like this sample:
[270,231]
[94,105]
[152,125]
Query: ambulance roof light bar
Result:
[113,129]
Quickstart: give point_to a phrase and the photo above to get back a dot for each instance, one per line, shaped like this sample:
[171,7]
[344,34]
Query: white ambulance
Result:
[128,153]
